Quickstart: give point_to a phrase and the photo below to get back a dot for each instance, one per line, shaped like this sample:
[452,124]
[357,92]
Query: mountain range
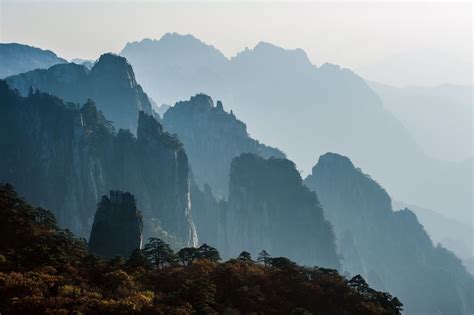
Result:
[389,248]
[199,176]
[305,111]
[17,58]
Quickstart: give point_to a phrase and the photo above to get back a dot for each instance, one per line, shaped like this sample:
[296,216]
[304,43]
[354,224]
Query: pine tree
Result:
[264,257]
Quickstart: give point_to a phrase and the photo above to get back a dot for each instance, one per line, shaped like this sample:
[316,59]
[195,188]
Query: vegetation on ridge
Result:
[47,270]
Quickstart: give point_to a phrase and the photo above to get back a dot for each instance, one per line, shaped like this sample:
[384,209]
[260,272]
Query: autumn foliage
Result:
[46,270]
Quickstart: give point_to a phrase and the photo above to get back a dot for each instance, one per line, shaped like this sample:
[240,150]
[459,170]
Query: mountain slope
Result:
[451,234]
[110,83]
[388,248]
[439,118]
[17,58]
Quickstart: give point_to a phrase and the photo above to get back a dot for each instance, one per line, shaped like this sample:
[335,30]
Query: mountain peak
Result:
[339,161]
[112,59]
[173,45]
[116,68]
[173,36]
[268,52]
[199,102]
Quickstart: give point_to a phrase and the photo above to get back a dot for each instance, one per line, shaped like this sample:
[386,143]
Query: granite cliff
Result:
[270,208]
[65,156]
[118,226]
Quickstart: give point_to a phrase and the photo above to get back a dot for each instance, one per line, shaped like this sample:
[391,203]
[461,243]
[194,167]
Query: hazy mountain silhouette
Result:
[176,67]
[388,248]
[452,234]
[439,117]
[110,83]
[305,111]
[17,58]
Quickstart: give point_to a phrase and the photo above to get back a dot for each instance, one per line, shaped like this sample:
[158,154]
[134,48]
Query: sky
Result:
[403,43]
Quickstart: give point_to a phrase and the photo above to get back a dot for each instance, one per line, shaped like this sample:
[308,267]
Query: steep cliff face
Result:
[110,83]
[64,157]
[118,226]
[269,208]
[212,138]
[17,58]
[209,217]
[389,248]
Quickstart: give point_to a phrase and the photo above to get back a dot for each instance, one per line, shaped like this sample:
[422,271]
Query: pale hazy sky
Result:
[397,43]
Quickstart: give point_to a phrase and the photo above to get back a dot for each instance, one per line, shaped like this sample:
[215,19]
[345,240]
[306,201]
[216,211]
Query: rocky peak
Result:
[219,106]
[270,208]
[118,226]
[114,67]
[266,53]
[199,102]
[334,161]
[335,172]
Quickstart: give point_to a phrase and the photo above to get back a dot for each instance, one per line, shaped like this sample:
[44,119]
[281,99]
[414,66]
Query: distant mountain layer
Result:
[388,248]
[305,111]
[110,83]
[440,118]
[452,234]
[65,157]
[212,137]
[18,58]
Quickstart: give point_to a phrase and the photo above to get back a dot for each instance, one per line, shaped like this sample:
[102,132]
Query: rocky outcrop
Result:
[118,226]
[388,248]
[64,157]
[270,208]
[212,138]
[17,58]
[110,83]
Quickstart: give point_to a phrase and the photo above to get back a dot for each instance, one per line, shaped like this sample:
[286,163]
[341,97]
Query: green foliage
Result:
[138,260]
[208,252]
[159,253]
[245,256]
[187,255]
[264,257]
